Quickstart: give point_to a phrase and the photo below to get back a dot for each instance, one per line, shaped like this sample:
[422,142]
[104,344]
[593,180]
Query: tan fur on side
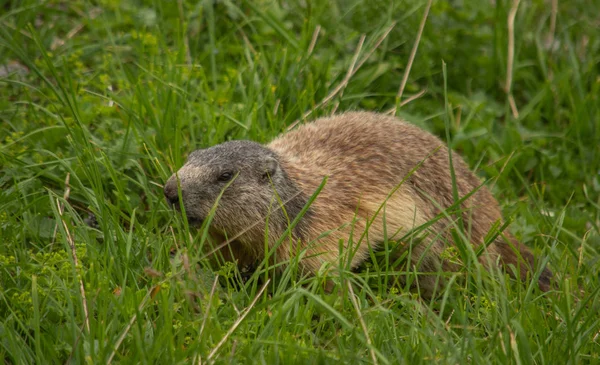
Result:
[365,157]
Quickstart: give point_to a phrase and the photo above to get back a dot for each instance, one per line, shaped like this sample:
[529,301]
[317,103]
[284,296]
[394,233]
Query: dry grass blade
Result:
[10,26]
[313,41]
[249,45]
[344,82]
[551,33]
[238,321]
[71,242]
[511,56]
[76,263]
[351,69]
[413,53]
[392,111]
[342,85]
[186,39]
[60,206]
[58,42]
[362,322]
[377,44]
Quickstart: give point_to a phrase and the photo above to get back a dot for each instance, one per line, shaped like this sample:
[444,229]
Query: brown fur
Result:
[365,157]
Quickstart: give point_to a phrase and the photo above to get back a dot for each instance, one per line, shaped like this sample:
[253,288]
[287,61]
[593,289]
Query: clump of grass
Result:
[114,94]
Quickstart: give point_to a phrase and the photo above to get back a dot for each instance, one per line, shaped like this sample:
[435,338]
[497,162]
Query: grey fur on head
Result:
[248,175]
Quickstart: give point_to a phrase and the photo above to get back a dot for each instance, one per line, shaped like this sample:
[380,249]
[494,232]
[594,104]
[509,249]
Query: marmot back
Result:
[384,174]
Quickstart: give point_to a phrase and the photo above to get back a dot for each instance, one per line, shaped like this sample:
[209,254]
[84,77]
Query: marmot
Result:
[381,172]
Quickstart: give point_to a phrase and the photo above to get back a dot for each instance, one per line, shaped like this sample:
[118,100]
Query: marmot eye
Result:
[226,176]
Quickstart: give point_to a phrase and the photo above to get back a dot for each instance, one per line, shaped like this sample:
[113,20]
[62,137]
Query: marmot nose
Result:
[171,192]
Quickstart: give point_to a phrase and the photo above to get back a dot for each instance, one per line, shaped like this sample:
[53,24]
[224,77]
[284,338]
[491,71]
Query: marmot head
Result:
[246,173]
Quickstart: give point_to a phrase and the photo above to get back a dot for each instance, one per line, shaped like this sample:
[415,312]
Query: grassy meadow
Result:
[101,101]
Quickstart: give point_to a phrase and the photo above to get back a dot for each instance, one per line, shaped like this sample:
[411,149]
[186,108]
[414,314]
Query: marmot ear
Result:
[270,166]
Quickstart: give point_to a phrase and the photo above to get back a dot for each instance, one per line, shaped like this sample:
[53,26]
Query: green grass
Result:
[113,95]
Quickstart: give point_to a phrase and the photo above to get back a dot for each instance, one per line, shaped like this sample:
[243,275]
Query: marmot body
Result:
[382,173]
